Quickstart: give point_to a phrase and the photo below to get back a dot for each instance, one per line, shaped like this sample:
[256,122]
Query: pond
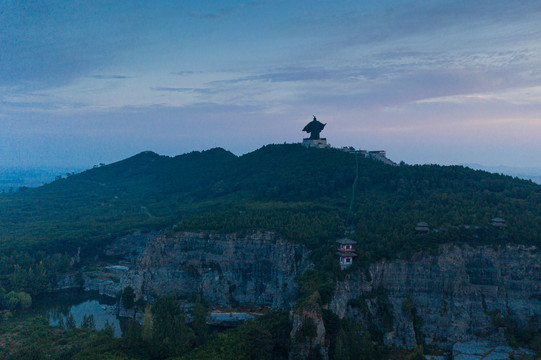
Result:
[59,305]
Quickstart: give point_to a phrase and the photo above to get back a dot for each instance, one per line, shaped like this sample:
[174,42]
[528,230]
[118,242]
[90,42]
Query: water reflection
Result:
[60,305]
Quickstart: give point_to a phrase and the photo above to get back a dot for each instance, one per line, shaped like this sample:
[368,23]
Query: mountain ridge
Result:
[107,201]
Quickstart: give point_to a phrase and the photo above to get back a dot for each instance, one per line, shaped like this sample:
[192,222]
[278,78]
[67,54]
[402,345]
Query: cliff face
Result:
[255,268]
[446,298]
[439,299]
[308,333]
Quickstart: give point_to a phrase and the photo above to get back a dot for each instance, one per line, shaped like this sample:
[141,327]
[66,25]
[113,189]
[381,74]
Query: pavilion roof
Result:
[348,254]
[346,241]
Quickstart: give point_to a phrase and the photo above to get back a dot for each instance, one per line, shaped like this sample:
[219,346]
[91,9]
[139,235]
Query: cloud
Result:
[183,90]
[29,106]
[367,68]
[50,44]
[224,12]
[518,96]
[293,74]
[109,77]
[186,72]
[382,21]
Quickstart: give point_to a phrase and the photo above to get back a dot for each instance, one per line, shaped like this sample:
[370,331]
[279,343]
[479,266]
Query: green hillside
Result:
[303,193]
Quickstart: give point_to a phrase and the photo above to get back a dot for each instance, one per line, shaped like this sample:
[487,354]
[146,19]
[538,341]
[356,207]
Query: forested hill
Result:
[302,193]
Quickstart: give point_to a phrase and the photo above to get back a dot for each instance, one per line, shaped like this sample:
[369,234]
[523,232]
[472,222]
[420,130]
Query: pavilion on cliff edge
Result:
[346,251]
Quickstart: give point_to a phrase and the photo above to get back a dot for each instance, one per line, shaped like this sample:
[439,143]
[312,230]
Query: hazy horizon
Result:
[429,82]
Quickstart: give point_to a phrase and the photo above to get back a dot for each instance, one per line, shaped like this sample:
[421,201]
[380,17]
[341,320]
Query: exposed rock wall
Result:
[255,268]
[437,299]
[453,293]
[308,334]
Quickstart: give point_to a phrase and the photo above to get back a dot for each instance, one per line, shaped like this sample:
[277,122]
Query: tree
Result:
[131,333]
[128,297]
[366,347]
[418,353]
[341,349]
[171,333]
[70,322]
[199,323]
[25,300]
[11,300]
[148,325]
[7,315]
[108,329]
[14,300]
[18,278]
[88,322]
[79,279]
[258,342]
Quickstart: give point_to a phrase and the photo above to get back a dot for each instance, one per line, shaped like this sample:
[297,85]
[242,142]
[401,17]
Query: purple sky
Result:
[432,81]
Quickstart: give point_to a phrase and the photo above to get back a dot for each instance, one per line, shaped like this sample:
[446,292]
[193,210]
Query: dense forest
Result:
[303,194]
[149,191]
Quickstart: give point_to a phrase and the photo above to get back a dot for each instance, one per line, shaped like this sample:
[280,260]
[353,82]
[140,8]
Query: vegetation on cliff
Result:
[302,193]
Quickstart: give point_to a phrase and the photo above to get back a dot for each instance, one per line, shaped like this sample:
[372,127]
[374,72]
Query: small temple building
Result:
[422,228]
[498,223]
[346,251]
[314,128]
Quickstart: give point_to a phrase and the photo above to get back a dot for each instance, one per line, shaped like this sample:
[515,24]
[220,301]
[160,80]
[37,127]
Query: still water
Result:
[59,305]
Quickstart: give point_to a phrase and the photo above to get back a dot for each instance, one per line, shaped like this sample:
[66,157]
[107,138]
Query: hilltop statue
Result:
[314,127]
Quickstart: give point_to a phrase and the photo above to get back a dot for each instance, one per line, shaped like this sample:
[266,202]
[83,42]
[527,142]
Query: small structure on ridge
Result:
[498,223]
[346,251]
[422,228]
[314,128]
[378,155]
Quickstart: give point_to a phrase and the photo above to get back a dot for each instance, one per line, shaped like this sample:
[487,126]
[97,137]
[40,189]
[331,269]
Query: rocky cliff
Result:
[446,298]
[308,333]
[442,299]
[257,268]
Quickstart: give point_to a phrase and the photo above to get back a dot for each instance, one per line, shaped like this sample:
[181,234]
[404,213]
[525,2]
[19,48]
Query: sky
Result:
[429,81]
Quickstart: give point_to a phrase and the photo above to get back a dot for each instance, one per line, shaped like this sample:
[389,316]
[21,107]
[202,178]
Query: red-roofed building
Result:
[346,251]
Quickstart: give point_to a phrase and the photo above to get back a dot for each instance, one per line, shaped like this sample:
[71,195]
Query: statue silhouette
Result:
[314,127]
